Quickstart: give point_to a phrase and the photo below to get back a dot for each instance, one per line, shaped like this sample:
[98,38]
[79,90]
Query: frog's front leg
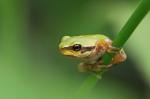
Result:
[119,56]
[113,50]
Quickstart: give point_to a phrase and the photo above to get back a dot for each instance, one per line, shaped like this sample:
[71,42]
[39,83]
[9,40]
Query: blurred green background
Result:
[31,66]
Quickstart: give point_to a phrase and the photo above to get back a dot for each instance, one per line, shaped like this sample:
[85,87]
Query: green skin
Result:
[92,49]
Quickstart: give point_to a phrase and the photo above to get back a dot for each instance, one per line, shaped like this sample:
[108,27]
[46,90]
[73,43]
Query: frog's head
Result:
[77,46]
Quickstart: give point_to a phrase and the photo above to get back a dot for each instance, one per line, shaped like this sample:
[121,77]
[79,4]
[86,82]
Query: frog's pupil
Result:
[76,47]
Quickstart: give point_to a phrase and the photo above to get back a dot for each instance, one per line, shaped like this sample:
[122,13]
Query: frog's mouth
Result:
[67,52]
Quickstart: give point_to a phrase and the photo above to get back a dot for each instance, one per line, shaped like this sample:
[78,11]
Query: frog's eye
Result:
[77,47]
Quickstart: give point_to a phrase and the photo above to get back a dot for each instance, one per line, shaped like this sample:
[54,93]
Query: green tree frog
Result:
[90,49]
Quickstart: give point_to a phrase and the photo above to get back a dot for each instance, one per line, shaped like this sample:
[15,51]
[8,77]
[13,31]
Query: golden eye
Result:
[76,47]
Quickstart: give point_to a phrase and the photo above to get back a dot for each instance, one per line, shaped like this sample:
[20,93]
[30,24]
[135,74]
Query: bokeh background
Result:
[31,66]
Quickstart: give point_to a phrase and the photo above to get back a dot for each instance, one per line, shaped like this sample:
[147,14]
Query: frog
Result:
[90,49]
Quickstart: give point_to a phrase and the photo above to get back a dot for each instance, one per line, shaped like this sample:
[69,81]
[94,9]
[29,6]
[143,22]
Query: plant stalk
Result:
[124,34]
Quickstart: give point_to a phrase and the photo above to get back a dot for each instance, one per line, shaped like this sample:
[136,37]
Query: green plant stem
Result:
[129,27]
[119,41]
[86,86]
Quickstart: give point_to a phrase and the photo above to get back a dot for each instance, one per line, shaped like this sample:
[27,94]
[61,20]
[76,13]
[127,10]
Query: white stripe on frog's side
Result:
[97,53]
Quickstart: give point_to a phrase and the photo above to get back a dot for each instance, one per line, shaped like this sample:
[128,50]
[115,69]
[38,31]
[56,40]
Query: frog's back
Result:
[86,40]
[96,36]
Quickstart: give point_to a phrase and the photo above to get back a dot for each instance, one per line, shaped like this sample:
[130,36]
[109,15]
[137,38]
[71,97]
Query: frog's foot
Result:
[84,67]
[119,57]
[100,68]
[96,69]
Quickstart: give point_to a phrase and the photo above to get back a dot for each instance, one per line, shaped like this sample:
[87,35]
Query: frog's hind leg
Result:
[120,55]
[95,69]
[98,70]
[84,67]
